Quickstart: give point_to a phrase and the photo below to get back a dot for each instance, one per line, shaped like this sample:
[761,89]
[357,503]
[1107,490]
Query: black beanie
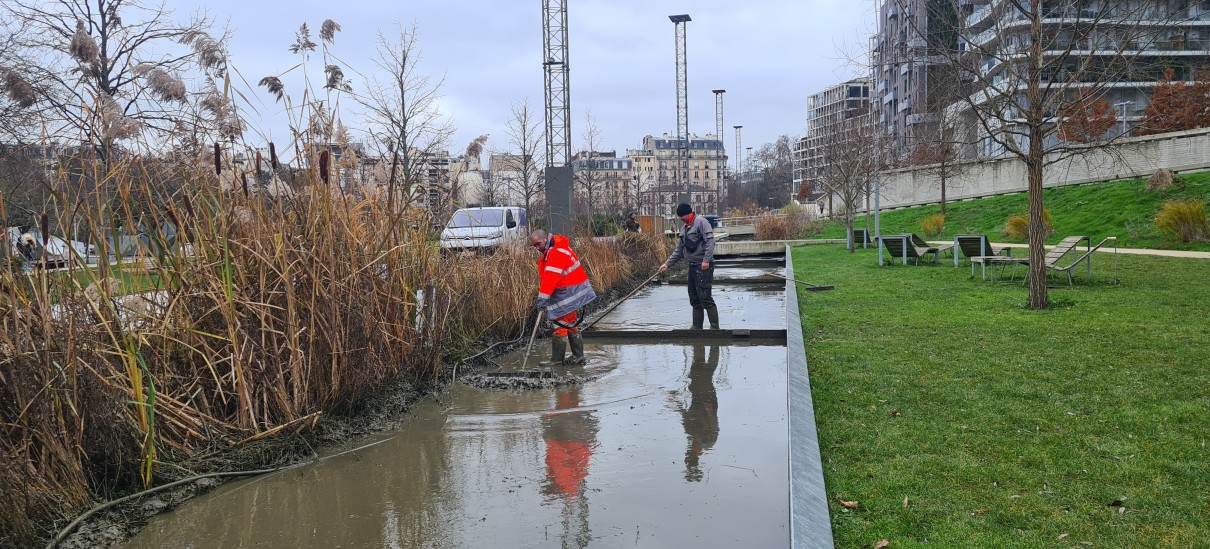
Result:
[683,209]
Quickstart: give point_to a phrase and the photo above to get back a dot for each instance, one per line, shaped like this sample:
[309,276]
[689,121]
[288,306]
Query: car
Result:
[484,228]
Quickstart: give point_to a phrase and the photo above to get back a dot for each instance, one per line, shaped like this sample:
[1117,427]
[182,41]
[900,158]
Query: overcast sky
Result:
[768,54]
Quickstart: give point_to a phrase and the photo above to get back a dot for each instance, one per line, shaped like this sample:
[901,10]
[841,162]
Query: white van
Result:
[479,228]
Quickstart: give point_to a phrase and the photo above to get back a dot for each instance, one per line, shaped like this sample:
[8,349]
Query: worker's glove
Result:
[541,303]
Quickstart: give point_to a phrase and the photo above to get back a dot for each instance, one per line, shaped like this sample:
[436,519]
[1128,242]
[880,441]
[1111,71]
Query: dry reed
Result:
[258,311]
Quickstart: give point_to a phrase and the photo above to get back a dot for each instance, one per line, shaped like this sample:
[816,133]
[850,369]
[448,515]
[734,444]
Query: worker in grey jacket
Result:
[696,245]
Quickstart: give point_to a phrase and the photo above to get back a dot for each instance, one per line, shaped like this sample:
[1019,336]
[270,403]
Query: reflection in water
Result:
[570,439]
[700,418]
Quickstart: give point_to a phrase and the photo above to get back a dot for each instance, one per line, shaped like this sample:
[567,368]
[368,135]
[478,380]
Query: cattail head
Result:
[44,220]
[272,155]
[83,48]
[244,179]
[258,166]
[218,159]
[323,166]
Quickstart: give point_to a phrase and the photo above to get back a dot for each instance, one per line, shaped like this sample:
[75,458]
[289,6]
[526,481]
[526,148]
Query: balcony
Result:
[978,16]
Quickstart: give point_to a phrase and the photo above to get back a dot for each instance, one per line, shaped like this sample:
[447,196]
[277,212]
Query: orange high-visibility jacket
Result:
[564,284]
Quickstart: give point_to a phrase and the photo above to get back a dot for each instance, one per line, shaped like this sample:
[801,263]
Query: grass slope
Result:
[1121,208]
[957,418]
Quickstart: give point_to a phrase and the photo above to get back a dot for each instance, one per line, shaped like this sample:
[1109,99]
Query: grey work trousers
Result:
[700,282]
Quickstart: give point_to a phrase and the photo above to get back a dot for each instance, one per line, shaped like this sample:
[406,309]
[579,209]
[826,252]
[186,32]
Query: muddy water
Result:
[671,445]
[664,307]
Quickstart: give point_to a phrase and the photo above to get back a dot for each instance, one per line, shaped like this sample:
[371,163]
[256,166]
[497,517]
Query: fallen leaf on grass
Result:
[881,544]
[846,504]
[905,502]
[1062,536]
[978,512]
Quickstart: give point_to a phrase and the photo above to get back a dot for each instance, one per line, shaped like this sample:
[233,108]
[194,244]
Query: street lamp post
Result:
[1121,105]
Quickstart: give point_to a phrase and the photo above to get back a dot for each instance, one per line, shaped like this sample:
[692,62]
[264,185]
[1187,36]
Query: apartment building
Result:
[908,68]
[659,185]
[832,116]
[604,182]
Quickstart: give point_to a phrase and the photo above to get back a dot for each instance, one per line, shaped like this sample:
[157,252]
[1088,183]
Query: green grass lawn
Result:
[1122,209]
[958,418]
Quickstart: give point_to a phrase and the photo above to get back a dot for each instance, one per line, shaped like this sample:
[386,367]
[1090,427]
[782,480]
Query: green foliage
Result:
[1184,220]
[997,429]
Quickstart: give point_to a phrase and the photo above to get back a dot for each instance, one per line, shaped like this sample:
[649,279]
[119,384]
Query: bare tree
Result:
[1025,59]
[941,150]
[525,138]
[588,176]
[109,70]
[403,116]
[848,167]
[776,163]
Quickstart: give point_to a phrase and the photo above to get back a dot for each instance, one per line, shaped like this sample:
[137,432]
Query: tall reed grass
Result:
[1183,220]
[260,312]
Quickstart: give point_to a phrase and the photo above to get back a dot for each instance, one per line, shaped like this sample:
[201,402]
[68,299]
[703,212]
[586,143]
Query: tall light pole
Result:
[877,151]
[682,102]
[1122,107]
[720,152]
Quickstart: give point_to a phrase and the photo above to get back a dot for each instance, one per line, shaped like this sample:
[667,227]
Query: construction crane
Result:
[560,195]
[558,87]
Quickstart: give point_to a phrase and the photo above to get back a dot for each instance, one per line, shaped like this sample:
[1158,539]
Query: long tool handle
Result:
[628,296]
[537,322]
[812,287]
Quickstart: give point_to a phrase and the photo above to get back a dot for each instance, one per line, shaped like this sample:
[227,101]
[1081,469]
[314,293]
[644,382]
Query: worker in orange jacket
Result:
[563,290]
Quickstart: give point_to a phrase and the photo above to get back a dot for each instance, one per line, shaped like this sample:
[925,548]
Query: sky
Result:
[768,54]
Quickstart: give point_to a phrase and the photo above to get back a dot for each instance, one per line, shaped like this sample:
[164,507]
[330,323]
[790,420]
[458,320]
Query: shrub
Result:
[933,224]
[1162,180]
[771,227]
[1017,226]
[801,222]
[1184,220]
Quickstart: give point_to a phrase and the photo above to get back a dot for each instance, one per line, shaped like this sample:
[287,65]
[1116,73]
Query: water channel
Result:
[674,442]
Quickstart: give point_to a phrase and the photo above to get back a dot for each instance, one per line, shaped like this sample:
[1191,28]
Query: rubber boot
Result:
[698,317]
[577,348]
[558,347]
[712,312]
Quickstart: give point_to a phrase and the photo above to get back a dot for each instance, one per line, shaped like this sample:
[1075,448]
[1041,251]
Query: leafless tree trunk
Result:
[848,167]
[403,117]
[525,137]
[587,175]
[1024,59]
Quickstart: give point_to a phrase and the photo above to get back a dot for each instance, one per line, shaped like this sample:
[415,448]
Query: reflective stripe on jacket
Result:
[563,281]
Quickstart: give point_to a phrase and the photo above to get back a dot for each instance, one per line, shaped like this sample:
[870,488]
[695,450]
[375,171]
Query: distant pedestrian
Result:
[696,245]
[563,290]
[632,224]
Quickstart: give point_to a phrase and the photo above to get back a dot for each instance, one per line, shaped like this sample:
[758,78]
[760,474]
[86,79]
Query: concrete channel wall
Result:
[810,524]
